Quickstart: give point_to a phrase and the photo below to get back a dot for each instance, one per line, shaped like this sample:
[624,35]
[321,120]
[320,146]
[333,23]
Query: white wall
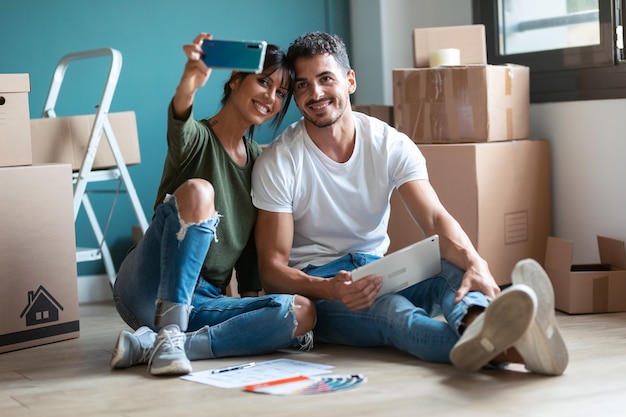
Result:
[588,172]
[367,54]
[389,24]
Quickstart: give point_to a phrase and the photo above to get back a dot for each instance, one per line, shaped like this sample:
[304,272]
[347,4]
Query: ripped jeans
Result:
[165,267]
[406,320]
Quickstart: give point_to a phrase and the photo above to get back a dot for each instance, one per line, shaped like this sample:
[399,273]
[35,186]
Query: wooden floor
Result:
[72,378]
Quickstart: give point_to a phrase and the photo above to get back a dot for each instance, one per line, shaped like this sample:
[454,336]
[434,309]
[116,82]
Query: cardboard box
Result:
[15,148]
[38,282]
[379,111]
[597,288]
[65,140]
[481,103]
[500,194]
[470,40]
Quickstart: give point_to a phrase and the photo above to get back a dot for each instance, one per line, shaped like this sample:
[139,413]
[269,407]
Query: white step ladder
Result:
[85,175]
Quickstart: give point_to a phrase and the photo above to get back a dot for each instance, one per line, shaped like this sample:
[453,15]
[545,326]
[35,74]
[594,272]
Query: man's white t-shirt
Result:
[338,208]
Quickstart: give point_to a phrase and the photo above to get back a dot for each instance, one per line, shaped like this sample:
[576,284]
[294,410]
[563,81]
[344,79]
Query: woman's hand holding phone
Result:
[194,77]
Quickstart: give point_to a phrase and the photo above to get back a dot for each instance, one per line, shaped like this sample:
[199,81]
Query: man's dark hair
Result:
[319,43]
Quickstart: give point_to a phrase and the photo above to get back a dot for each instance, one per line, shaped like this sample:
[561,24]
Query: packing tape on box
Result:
[445,57]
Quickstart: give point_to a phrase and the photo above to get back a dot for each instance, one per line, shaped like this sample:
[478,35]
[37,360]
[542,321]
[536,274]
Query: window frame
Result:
[602,74]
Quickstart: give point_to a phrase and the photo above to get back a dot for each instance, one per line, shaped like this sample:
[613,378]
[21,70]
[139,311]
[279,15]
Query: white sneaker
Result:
[503,323]
[168,356]
[542,347]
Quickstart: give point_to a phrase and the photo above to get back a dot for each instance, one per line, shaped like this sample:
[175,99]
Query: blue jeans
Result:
[406,320]
[165,267]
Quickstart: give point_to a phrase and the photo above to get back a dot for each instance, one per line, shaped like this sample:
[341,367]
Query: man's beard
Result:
[324,122]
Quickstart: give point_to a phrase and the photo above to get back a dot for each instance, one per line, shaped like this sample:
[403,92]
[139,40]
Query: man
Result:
[322,189]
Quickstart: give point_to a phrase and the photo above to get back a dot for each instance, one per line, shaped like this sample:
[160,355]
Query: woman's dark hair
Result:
[275,60]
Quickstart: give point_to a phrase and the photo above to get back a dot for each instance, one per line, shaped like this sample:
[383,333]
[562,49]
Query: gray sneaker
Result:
[168,356]
[133,348]
[504,322]
[542,347]
[306,341]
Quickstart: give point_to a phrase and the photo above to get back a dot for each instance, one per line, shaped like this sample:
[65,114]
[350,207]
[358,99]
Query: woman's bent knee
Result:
[195,200]
[306,315]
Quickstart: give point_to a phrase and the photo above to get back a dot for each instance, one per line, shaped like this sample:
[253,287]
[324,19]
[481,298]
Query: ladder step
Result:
[88,254]
[99,175]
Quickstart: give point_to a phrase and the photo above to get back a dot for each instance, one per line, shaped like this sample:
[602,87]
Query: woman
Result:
[174,279]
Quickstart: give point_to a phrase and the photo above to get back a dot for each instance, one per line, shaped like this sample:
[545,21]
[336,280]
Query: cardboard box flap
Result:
[14,83]
[469,39]
[612,252]
[559,254]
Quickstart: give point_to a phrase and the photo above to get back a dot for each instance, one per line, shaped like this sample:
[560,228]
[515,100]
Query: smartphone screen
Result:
[238,55]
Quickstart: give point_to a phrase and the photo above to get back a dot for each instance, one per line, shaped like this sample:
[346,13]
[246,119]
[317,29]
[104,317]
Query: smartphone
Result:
[237,55]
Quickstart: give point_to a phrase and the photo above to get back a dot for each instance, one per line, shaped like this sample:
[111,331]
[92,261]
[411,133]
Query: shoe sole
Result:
[543,349]
[173,368]
[504,322]
[119,351]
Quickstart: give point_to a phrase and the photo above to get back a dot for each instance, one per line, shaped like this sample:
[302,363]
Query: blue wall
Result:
[35,34]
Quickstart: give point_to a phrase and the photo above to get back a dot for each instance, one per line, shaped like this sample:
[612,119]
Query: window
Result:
[574,48]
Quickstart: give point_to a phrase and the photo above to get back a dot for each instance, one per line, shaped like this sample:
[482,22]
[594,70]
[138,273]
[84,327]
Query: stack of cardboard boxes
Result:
[38,283]
[38,274]
[471,122]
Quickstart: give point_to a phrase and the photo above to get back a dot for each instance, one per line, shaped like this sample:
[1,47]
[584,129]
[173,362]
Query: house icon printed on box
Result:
[41,308]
